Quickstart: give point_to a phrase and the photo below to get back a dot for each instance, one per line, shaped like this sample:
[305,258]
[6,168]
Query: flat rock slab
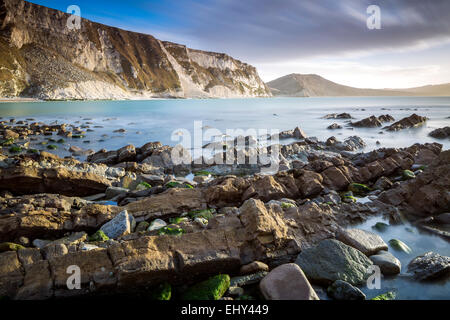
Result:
[333,260]
[429,266]
[287,282]
[388,264]
[367,242]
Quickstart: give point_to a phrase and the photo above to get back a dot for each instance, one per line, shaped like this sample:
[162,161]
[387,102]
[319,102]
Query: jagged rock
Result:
[367,242]
[333,260]
[122,224]
[370,122]
[427,194]
[388,264]
[127,153]
[309,183]
[383,183]
[287,282]
[440,133]
[430,266]
[334,126]
[156,225]
[342,290]
[337,116]
[408,122]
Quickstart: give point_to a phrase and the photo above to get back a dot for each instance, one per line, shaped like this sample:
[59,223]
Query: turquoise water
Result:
[156,120]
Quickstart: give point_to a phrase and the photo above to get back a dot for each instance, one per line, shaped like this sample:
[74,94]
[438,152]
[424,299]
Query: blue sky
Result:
[327,37]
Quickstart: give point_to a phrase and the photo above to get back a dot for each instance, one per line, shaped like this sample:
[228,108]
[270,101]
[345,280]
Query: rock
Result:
[390,295]
[112,192]
[341,290]
[287,282]
[212,289]
[299,134]
[383,183]
[235,291]
[88,247]
[9,246]
[54,250]
[389,265]
[254,267]
[443,218]
[309,183]
[380,226]
[99,236]
[28,179]
[408,175]
[440,133]
[156,225]
[142,226]
[122,224]
[427,194]
[127,153]
[359,189]
[24,241]
[38,243]
[370,122]
[333,260]
[338,116]
[246,280]
[399,246]
[408,122]
[9,134]
[367,242]
[334,126]
[430,266]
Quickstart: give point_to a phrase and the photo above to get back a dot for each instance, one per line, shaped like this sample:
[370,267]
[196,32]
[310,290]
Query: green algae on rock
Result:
[162,292]
[212,289]
[359,189]
[9,246]
[399,245]
[390,295]
[99,236]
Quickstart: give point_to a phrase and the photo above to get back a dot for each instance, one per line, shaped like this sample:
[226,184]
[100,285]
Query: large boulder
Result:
[440,133]
[287,282]
[430,266]
[389,265]
[333,260]
[407,122]
[367,242]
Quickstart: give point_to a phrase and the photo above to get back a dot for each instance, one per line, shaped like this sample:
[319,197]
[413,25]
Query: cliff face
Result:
[40,57]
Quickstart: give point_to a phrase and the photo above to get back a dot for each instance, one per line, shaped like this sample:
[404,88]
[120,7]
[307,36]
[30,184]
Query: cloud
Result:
[268,30]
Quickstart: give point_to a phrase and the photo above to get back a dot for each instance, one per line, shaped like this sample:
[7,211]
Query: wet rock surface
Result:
[430,266]
[131,220]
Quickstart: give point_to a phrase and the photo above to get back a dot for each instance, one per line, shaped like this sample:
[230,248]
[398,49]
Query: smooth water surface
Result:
[157,120]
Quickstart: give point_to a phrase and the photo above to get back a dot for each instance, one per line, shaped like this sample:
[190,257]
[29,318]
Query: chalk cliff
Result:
[41,57]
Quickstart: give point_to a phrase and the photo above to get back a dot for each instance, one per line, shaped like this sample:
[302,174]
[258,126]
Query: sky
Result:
[279,37]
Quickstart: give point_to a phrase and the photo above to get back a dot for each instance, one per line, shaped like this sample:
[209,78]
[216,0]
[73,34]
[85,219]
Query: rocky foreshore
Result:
[134,222]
